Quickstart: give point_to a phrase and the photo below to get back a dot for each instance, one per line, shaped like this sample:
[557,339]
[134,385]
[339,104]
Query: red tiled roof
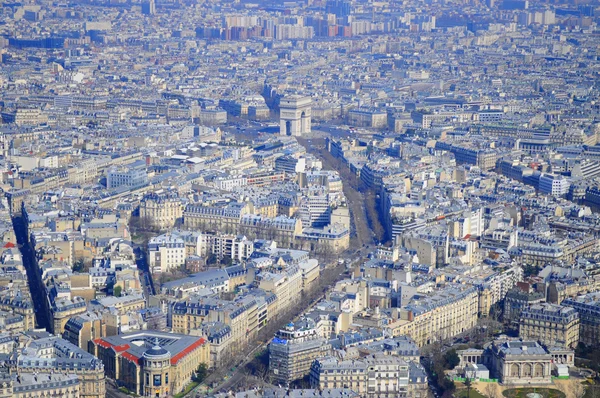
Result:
[102,343]
[121,348]
[187,350]
[131,357]
[106,344]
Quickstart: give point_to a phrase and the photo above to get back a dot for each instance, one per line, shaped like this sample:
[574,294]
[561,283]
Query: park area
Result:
[560,389]
[523,392]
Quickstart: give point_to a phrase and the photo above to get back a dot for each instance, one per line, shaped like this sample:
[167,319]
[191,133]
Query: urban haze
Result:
[304,198]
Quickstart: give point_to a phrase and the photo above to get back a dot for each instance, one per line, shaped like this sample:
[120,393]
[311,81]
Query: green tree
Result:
[259,365]
[79,266]
[211,259]
[201,373]
[531,270]
[447,386]
[226,261]
[451,359]
[117,291]
[373,216]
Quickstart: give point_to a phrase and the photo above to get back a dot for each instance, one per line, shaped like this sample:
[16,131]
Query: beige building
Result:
[215,218]
[48,356]
[152,363]
[368,118]
[239,218]
[59,246]
[162,209]
[515,361]
[63,309]
[371,377]
[81,329]
[219,337]
[243,316]
[559,291]
[26,385]
[286,285]
[333,238]
[551,325]
[442,315]
[19,305]
[25,117]
[117,309]
[282,229]
[588,307]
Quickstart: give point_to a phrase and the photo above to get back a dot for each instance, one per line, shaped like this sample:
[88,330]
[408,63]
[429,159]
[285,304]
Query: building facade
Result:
[152,363]
[165,252]
[373,377]
[588,307]
[162,210]
[293,350]
[551,325]
[515,361]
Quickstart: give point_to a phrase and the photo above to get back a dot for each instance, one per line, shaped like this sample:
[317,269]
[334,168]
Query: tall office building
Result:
[148,7]
[341,8]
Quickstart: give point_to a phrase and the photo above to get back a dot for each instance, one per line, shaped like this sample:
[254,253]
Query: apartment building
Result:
[128,177]
[588,307]
[293,350]
[166,252]
[235,247]
[20,305]
[27,384]
[551,325]
[374,118]
[282,229]
[219,337]
[552,184]
[333,238]
[315,210]
[81,329]
[290,164]
[371,377]
[215,218]
[245,316]
[494,287]
[517,300]
[46,354]
[24,117]
[63,309]
[286,284]
[484,158]
[442,315]
[238,218]
[163,210]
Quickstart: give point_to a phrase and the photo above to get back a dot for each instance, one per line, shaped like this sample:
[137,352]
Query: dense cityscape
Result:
[305,198]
